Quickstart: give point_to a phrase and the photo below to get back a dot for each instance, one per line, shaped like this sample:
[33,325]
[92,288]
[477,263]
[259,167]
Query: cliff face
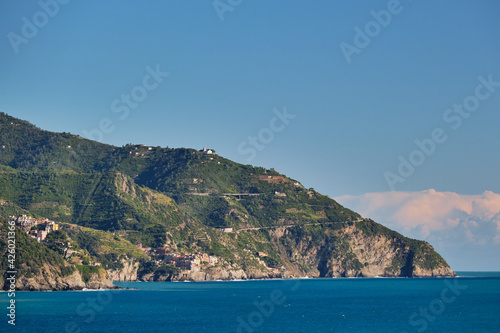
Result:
[346,252]
[47,280]
[214,274]
[352,252]
[127,273]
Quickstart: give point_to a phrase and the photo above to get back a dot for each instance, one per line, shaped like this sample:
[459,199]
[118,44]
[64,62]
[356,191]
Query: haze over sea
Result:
[469,303]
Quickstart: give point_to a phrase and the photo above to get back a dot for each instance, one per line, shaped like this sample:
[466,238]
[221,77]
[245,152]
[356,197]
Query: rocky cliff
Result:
[214,274]
[353,251]
[127,273]
[47,280]
[359,251]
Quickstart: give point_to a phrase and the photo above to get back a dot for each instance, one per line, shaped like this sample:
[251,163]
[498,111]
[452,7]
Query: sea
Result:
[468,303]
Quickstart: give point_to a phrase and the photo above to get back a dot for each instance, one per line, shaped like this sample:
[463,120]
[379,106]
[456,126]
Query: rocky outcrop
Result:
[352,252]
[127,273]
[436,272]
[213,274]
[49,280]
[100,281]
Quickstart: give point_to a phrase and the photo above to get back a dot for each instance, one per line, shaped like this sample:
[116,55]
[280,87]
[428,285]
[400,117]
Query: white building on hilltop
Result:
[207,151]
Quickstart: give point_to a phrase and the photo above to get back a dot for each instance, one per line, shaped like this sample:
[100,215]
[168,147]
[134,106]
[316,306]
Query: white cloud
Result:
[445,219]
[428,211]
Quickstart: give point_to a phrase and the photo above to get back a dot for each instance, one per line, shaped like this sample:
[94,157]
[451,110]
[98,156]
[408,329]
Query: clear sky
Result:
[331,93]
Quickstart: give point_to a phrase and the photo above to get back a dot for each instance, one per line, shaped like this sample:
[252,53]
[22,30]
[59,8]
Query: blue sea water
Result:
[469,303]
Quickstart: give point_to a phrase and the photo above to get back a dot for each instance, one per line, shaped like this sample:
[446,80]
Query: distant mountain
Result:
[259,222]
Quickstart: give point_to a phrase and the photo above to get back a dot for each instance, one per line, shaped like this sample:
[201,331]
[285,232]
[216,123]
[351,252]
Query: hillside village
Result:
[183,261]
[199,261]
[40,228]
[35,228]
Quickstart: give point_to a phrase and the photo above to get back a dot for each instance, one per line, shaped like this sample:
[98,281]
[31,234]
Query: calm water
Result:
[470,303]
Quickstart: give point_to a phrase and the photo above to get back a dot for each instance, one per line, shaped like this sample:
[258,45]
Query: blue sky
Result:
[353,118]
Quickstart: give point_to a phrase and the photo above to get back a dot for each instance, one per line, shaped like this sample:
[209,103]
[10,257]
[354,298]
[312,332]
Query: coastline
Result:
[292,278]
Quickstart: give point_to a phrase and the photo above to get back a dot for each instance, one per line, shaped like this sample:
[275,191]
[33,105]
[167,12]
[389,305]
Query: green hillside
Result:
[181,198]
